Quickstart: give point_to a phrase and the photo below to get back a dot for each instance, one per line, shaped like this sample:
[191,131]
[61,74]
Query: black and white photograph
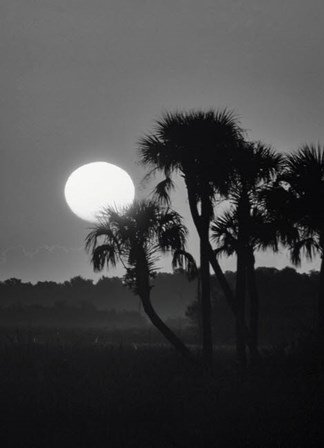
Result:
[162,223]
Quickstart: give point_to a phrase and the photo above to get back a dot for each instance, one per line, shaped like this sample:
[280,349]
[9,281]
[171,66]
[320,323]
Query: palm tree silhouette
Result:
[298,198]
[255,167]
[135,237]
[262,235]
[199,146]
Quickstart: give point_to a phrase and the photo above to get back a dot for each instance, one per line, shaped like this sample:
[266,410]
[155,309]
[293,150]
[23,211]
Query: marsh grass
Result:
[78,389]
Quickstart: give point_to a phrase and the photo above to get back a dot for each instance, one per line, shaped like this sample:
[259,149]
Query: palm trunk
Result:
[212,259]
[254,301]
[162,327]
[231,301]
[321,300]
[240,299]
[205,287]
[143,287]
[230,298]
[243,213]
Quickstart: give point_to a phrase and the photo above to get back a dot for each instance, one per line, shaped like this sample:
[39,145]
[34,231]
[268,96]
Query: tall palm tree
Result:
[198,145]
[299,199]
[247,227]
[134,237]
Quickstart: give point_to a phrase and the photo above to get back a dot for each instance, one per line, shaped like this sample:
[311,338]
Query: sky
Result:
[82,81]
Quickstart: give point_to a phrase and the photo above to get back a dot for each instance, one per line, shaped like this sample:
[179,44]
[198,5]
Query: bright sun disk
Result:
[95,186]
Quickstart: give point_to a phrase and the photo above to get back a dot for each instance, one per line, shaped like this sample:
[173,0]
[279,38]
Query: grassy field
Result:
[84,389]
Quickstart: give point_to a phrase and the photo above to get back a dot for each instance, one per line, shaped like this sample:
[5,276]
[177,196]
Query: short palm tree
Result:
[198,145]
[135,237]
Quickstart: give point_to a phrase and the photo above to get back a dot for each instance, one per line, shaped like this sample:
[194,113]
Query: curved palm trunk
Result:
[162,327]
[254,300]
[321,300]
[143,287]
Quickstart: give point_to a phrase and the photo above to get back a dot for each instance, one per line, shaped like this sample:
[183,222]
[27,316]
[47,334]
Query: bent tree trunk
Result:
[163,328]
[254,300]
[143,288]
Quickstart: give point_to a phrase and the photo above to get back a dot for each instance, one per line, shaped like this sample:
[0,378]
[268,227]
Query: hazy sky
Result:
[82,80]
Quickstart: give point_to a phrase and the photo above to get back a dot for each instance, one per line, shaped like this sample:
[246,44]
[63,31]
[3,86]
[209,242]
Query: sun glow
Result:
[95,186]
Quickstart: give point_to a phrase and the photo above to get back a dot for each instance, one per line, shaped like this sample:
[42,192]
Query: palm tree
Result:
[198,146]
[134,237]
[255,167]
[299,199]
[247,227]
[262,235]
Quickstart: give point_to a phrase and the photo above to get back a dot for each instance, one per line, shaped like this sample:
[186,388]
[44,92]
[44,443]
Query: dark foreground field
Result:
[75,389]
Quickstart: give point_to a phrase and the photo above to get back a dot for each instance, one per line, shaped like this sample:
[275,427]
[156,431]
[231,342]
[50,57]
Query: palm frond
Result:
[103,255]
[171,232]
[225,233]
[148,177]
[305,171]
[102,230]
[159,154]
[226,250]
[255,165]
[307,245]
[162,191]
[185,261]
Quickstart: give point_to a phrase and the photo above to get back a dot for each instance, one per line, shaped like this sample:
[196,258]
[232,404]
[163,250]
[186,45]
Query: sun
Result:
[95,186]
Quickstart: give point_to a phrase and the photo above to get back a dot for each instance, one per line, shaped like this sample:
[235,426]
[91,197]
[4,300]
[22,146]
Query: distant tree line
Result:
[75,302]
[78,292]
[288,307]
[172,294]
